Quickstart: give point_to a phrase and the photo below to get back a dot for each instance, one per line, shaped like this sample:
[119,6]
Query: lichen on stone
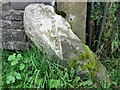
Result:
[87,60]
[93,64]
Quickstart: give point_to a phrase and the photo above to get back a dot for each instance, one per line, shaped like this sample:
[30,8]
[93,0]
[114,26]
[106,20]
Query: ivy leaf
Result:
[25,60]
[22,66]
[17,75]
[19,56]
[10,79]
[12,57]
[14,62]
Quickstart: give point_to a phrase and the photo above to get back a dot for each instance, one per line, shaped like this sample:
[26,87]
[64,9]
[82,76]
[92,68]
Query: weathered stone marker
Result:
[53,35]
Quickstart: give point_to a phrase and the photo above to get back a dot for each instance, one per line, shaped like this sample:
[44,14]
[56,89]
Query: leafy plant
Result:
[16,60]
[29,69]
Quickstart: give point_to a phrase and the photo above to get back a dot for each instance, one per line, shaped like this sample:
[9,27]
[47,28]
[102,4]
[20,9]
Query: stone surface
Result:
[12,14]
[7,24]
[15,45]
[21,4]
[13,35]
[51,31]
[12,30]
[0,30]
[76,16]
[53,35]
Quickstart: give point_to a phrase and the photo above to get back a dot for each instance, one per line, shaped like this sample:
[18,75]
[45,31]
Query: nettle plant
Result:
[17,64]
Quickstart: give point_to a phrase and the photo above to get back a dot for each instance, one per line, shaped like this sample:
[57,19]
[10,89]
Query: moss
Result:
[75,51]
[73,62]
[92,64]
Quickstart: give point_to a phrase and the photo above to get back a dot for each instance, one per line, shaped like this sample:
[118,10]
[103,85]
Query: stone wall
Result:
[13,35]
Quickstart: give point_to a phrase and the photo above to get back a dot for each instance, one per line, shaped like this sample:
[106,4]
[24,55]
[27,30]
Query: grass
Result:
[113,66]
[29,69]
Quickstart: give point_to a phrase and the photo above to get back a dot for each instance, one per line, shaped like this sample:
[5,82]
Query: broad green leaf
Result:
[12,57]
[17,75]
[19,56]
[14,62]
[25,60]
[22,66]
[10,79]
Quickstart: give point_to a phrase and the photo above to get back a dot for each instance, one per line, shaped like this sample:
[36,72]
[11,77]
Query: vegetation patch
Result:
[86,60]
[29,69]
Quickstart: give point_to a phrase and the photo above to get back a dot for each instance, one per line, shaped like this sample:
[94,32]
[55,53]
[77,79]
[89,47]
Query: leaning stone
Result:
[53,35]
